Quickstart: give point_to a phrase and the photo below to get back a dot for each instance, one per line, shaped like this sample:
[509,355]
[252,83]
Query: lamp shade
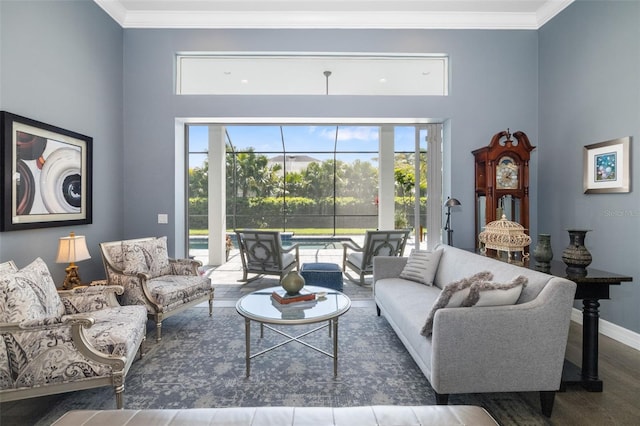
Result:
[452,202]
[72,249]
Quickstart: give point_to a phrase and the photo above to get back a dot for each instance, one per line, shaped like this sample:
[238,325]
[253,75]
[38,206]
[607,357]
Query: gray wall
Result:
[61,63]
[493,86]
[590,92]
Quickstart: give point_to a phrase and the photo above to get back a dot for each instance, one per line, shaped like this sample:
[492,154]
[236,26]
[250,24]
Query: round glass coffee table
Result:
[328,306]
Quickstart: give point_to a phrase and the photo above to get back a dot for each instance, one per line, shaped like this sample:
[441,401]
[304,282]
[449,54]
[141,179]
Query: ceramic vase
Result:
[542,252]
[576,256]
[292,283]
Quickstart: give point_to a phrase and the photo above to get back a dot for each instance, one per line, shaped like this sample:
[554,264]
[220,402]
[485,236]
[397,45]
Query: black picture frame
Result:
[46,175]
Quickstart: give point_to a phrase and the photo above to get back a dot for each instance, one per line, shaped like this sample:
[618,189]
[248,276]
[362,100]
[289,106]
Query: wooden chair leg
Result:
[158,327]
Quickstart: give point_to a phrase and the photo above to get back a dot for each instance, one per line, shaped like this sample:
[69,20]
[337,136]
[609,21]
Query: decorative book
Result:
[283,298]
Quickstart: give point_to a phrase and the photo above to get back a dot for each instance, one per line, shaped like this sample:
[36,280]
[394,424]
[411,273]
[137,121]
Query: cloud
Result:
[348,133]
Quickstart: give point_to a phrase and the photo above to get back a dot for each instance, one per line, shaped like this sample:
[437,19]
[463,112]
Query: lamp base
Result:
[72,279]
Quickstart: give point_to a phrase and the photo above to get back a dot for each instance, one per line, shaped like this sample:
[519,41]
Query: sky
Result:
[305,139]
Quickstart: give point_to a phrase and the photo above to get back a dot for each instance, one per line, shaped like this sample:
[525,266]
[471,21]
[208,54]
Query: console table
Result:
[590,288]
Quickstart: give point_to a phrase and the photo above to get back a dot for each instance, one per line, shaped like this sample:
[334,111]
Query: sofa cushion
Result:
[116,330]
[453,295]
[8,266]
[18,301]
[426,415]
[156,256]
[170,291]
[133,260]
[421,266]
[45,288]
[487,293]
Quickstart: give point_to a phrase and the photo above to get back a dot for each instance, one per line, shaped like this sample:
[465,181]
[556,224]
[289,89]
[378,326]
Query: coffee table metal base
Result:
[332,325]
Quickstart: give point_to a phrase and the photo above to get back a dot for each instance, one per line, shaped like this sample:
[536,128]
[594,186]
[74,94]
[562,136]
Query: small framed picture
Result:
[46,175]
[607,167]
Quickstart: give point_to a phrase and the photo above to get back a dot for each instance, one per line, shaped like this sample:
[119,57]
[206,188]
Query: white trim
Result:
[308,120]
[550,9]
[611,330]
[179,220]
[332,18]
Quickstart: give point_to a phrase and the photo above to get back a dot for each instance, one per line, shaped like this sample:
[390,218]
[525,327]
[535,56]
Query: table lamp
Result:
[451,202]
[72,249]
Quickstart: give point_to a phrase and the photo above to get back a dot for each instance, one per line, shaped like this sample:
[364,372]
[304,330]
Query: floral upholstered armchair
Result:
[150,278]
[54,342]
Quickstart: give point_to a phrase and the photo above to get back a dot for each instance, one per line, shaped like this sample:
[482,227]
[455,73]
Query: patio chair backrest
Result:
[261,249]
[383,243]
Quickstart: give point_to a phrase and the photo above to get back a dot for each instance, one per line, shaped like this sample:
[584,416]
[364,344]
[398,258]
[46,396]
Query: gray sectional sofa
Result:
[514,348]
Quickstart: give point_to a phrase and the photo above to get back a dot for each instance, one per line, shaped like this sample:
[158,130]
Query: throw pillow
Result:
[133,260]
[45,288]
[7,267]
[452,296]
[421,266]
[157,257]
[18,301]
[495,294]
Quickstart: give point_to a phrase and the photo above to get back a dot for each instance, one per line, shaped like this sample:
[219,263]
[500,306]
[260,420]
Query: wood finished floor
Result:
[618,404]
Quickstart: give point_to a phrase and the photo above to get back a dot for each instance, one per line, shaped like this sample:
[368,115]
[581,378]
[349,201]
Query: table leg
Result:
[335,347]
[590,319]
[247,334]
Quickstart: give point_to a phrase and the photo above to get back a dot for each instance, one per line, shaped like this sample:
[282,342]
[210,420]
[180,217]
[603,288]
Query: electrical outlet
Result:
[163,218]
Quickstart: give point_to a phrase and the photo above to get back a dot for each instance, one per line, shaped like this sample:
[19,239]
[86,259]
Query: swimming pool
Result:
[304,242]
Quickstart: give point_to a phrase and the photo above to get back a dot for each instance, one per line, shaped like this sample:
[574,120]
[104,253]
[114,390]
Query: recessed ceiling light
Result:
[426,72]
[383,80]
[244,81]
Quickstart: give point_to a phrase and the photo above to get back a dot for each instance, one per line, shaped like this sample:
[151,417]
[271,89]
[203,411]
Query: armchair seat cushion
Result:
[118,329]
[170,291]
[355,258]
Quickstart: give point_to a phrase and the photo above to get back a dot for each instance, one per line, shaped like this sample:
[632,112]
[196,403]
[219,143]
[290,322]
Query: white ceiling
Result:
[393,14]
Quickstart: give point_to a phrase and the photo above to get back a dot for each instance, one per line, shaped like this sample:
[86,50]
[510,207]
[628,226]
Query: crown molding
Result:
[550,9]
[331,20]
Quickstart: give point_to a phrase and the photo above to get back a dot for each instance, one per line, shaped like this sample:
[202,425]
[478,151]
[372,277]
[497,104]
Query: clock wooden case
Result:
[502,179]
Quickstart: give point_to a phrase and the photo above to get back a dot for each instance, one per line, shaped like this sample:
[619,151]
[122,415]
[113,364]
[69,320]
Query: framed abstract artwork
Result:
[607,166]
[46,175]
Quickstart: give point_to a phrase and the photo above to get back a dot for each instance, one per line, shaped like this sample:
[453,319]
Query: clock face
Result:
[507,174]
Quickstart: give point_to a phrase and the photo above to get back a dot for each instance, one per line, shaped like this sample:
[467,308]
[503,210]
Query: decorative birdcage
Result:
[504,236]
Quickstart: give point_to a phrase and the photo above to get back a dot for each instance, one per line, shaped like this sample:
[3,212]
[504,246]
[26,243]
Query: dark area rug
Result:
[200,363]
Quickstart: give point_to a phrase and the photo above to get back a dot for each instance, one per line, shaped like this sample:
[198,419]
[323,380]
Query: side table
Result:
[590,288]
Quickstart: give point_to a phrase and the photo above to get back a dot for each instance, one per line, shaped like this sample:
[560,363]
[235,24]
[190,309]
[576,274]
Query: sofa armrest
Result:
[184,266]
[55,353]
[503,348]
[90,298]
[388,267]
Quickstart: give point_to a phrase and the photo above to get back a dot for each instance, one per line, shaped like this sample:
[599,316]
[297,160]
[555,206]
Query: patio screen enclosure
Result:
[314,179]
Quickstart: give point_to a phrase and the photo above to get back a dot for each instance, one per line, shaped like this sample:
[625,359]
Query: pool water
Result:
[304,243]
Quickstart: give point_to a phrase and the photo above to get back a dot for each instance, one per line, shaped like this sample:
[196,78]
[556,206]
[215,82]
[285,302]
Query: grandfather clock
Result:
[502,180]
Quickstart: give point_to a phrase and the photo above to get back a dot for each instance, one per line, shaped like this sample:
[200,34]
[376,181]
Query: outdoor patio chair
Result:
[376,243]
[262,253]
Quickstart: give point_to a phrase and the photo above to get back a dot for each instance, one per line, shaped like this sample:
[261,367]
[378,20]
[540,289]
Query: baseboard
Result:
[609,329]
